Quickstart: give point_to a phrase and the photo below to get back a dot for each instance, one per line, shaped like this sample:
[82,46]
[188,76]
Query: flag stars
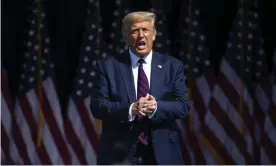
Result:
[31,79]
[259,63]
[207,62]
[199,48]
[32,68]
[92,73]
[83,70]
[81,81]
[93,26]
[197,59]
[90,84]
[202,37]
[94,63]
[229,44]
[197,12]
[47,40]
[261,51]
[79,92]
[87,48]
[250,36]
[195,70]
[85,59]
[29,44]
[36,47]
[31,33]
[114,24]
[158,45]
[115,13]
[90,37]
[22,76]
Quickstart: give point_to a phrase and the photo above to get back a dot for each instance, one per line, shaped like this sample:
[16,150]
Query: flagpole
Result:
[39,85]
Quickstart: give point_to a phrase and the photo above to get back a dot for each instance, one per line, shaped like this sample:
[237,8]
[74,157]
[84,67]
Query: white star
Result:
[93,26]
[92,73]
[78,92]
[90,37]
[90,84]
[31,79]
[81,81]
[83,70]
[87,48]
[85,59]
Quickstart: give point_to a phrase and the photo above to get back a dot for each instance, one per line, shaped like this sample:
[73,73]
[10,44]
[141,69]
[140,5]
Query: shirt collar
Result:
[134,58]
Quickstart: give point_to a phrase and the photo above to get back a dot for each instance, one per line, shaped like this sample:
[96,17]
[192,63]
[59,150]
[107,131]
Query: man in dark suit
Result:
[138,96]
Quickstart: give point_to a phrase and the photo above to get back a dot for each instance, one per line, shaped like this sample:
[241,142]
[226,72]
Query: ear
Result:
[154,34]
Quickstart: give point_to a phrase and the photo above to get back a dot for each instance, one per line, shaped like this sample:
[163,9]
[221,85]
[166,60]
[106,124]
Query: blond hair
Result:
[133,17]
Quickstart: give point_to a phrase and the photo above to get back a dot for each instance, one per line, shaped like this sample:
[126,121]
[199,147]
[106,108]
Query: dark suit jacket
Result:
[113,94]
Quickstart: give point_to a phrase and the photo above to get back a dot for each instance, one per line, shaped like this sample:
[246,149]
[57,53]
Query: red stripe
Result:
[142,83]
[272,114]
[217,145]
[27,112]
[229,127]
[75,142]
[145,93]
[20,144]
[88,125]
[234,98]
[143,76]
[5,143]
[54,128]
[185,153]
[269,147]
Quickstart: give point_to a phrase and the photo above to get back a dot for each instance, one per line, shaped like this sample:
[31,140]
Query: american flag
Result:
[116,42]
[81,126]
[6,119]
[37,94]
[230,115]
[191,49]
[265,131]
[162,42]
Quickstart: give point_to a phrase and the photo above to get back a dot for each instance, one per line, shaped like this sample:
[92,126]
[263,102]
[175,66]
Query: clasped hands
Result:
[144,106]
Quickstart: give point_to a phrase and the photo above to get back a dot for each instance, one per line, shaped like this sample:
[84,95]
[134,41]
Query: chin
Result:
[143,52]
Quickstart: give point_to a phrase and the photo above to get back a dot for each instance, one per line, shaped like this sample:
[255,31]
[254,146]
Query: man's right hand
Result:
[141,105]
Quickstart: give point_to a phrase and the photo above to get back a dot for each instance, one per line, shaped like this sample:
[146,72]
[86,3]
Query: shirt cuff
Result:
[150,116]
[130,116]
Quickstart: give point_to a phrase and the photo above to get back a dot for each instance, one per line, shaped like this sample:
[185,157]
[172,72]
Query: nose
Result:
[141,34]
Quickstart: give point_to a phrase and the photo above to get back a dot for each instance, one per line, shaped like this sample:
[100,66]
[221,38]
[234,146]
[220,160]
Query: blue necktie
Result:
[142,90]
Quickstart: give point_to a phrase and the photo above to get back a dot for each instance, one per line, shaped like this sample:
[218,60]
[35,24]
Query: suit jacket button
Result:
[122,121]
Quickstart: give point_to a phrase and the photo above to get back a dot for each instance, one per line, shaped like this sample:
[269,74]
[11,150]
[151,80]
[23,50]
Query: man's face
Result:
[140,37]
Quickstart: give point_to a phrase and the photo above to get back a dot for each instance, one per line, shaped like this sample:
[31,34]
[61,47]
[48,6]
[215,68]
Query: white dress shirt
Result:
[147,69]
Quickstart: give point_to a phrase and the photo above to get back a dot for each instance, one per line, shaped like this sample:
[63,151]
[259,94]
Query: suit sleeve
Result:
[102,108]
[178,106]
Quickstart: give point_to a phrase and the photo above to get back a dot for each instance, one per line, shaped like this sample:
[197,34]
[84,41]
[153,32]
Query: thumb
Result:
[151,97]
[147,96]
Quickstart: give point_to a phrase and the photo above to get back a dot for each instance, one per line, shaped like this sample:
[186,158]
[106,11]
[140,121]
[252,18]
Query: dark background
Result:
[66,24]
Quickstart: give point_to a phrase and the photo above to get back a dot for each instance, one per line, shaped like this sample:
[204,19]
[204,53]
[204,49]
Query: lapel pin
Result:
[160,66]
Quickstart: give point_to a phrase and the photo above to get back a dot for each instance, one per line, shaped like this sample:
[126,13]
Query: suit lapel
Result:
[127,76]
[156,72]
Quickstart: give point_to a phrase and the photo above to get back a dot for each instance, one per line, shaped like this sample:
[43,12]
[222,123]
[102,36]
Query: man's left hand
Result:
[149,106]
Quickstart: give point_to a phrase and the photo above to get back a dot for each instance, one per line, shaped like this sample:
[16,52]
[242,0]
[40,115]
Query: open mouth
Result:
[141,45]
